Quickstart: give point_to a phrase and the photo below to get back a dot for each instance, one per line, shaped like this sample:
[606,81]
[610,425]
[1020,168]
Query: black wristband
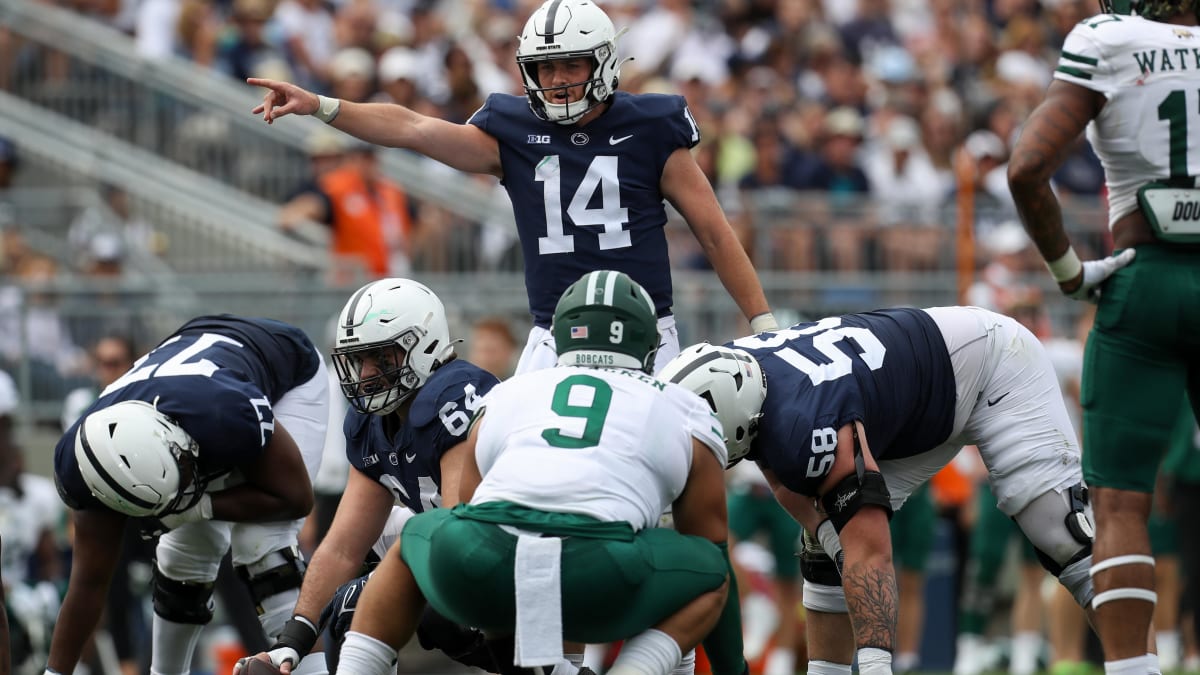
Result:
[299,634]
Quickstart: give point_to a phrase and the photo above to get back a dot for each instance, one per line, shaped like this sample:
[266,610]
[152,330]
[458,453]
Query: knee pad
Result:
[272,575]
[1127,593]
[1059,527]
[822,598]
[1076,577]
[816,565]
[187,602]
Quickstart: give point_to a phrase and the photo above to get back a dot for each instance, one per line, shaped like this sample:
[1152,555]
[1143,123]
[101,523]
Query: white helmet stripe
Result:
[646,297]
[610,287]
[98,467]
[592,282]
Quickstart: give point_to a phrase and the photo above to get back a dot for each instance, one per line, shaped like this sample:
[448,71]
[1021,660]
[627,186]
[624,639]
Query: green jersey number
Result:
[593,413]
[1173,111]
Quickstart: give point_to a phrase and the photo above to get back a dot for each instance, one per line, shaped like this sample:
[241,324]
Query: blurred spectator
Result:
[398,76]
[993,204]
[308,34]
[870,29]
[33,333]
[196,32]
[110,231]
[30,519]
[367,213]
[493,346]
[464,96]
[8,162]
[352,74]
[245,46]
[1005,248]
[906,188]
[354,25]
[109,358]
[841,176]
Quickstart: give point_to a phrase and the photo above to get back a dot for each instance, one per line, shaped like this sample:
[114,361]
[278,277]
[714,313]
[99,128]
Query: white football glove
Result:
[1095,272]
[201,510]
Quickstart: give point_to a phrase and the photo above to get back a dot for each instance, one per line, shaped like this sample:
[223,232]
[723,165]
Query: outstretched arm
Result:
[465,147]
[689,191]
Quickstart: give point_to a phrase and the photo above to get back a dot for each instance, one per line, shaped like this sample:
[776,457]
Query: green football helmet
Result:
[606,319]
[1147,9]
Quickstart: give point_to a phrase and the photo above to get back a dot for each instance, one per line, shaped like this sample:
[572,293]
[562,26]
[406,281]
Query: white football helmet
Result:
[395,329]
[567,29]
[137,461]
[733,384]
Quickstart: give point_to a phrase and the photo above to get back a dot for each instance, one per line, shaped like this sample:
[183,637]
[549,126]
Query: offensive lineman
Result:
[857,411]
[216,433]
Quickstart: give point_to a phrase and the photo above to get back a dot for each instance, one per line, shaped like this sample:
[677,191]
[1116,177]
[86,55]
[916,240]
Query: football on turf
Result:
[259,667]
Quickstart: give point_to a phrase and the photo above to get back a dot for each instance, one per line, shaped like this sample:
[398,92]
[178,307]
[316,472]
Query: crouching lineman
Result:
[863,408]
[411,402]
[568,470]
[215,434]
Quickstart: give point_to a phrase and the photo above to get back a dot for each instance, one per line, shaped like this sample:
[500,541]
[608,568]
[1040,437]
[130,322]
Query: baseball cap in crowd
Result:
[398,63]
[844,121]
[984,143]
[352,62]
[903,133]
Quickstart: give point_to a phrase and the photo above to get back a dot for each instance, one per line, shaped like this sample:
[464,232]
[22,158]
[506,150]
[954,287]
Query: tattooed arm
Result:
[1046,138]
[868,577]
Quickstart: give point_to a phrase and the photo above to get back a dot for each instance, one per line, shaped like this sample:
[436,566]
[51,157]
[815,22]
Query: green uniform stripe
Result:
[1080,59]
[1074,72]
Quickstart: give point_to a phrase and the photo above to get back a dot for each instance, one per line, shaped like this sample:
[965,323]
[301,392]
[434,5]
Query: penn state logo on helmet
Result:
[391,335]
[606,319]
[569,29]
[137,460]
[733,384]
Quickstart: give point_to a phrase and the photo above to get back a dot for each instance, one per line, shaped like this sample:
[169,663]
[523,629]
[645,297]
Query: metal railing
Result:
[189,114]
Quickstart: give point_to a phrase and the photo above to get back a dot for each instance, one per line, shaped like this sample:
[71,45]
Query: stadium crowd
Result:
[861,105]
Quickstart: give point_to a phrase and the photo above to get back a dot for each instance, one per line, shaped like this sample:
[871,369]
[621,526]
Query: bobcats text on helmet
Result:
[733,384]
[569,29]
[137,461]
[391,335]
[606,319]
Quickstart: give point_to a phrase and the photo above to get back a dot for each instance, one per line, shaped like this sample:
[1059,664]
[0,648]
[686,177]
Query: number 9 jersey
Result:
[611,443]
[1150,73]
[889,369]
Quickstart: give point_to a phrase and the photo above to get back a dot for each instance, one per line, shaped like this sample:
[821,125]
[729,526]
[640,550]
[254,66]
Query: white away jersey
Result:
[1150,74]
[22,520]
[611,443]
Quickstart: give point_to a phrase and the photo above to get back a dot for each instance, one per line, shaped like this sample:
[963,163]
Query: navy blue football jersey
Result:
[218,378]
[588,198]
[409,464]
[889,369]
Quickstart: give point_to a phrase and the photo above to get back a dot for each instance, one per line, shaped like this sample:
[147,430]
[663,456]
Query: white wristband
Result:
[763,322]
[327,108]
[1067,267]
[874,661]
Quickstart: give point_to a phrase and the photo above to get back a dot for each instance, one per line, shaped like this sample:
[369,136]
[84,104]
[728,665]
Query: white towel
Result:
[537,576]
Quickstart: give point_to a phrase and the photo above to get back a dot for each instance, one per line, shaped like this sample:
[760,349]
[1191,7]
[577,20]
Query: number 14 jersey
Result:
[588,198]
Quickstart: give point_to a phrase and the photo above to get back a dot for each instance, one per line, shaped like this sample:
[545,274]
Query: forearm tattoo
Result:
[871,597]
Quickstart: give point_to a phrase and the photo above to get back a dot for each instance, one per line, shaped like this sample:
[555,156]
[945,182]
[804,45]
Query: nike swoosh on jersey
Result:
[409,458]
[993,401]
[612,140]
